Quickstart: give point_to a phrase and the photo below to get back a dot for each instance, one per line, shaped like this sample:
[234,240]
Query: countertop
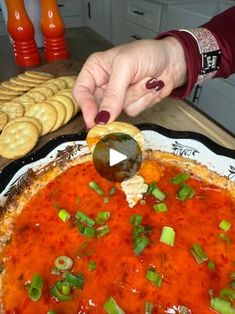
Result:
[169,113]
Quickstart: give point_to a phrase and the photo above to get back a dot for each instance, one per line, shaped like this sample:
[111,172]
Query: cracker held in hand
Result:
[18,140]
[45,113]
[99,131]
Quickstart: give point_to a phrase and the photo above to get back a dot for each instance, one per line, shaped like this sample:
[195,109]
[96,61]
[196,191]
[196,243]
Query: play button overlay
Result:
[117,157]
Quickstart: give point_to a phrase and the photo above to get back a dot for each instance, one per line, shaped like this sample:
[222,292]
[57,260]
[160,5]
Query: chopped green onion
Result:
[222,306]
[160,207]
[140,244]
[55,271]
[66,288]
[102,231]
[168,236]
[186,192]
[148,308]
[112,191]
[156,192]
[154,277]
[180,178]
[227,293]
[84,218]
[136,219]
[95,187]
[225,225]
[225,237]
[64,215]
[198,253]
[211,265]
[102,217]
[52,312]
[151,187]
[35,288]
[232,284]
[63,263]
[111,307]
[105,200]
[77,280]
[87,231]
[56,291]
[92,265]
[85,249]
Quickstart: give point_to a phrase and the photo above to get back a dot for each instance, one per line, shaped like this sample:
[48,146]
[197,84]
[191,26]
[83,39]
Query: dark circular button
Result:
[117,157]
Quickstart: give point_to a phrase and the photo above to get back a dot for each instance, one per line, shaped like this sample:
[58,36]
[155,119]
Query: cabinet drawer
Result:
[136,32]
[144,13]
[70,7]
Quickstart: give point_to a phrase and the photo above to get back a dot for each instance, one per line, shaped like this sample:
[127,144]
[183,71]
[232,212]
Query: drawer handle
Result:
[136,37]
[60,5]
[138,12]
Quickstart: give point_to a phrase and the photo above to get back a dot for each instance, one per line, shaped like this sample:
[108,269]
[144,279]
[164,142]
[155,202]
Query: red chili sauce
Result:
[40,236]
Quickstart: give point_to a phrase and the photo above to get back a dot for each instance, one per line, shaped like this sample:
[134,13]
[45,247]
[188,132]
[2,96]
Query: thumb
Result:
[115,93]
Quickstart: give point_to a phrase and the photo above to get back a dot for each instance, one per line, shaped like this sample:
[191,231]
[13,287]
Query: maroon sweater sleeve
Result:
[222,26]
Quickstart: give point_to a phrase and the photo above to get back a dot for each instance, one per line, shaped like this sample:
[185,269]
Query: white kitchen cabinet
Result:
[72,12]
[97,15]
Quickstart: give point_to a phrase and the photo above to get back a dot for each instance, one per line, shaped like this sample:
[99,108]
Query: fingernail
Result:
[153,83]
[102,117]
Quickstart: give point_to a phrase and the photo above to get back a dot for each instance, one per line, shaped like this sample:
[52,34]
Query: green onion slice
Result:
[95,187]
[51,312]
[186,192]
[136,219]
[140,244]
[35,288]
[198,253]
[180,178]
[87,231]
[102,217]
[225,238]
[105,200]
[154,277]
[63,263]
[211,265]
[56,291]
[64,215]
[92,265]
[225,225]
[102,231]
[77,280]
[82,217]
[222,306]
[111,307]
[227,293]
[160,207]
[112,191]
[157,193]
[85,249]
[168,236]
[148,308]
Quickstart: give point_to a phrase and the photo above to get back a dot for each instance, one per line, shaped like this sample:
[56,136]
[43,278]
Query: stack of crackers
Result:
[31,105]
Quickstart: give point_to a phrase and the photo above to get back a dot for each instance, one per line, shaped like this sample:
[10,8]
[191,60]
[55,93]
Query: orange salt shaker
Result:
[52,26]
[21,31]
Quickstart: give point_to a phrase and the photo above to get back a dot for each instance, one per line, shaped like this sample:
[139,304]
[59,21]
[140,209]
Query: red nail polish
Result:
[102,117]
[153,83]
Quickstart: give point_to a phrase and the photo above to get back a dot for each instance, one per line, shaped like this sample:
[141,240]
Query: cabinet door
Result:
[217,100]
[98,16]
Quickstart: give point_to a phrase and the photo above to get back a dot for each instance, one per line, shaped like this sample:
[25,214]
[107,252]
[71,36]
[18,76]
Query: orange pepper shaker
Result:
[21,31]
[52,26]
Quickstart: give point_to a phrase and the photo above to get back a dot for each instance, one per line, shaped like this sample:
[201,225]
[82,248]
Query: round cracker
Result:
[27,78]
[3,119]
[32,120]
[6,91]
[25,100]
[68,104]
[18,81]
[68,93]
[12,109]
[6,97]
[100,130]
[39,75]
[69,80]
[58,82]
[61,113]
[36,95]
[14,87]
[18,140]
[45,90]
[52,86]
[45,113]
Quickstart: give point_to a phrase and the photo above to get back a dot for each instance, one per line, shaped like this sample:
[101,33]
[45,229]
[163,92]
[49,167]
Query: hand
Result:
[115,79]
